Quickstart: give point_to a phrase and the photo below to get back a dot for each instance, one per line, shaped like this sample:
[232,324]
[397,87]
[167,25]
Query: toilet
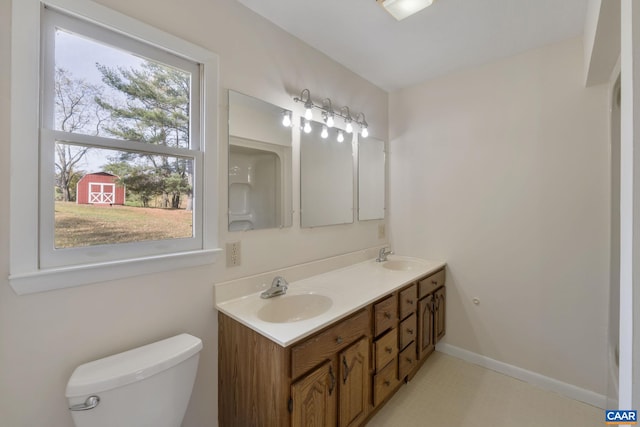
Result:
[148,386]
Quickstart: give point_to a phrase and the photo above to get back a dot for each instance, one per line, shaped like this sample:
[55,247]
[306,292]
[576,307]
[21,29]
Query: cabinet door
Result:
[354,384]
[426,344]
[440,298]
[314,398]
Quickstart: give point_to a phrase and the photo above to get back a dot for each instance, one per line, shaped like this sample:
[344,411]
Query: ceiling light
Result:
[401,9]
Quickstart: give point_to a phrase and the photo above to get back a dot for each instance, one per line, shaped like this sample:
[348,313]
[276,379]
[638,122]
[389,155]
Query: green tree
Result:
[155,110]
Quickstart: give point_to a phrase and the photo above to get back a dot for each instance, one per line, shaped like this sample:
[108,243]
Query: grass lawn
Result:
[88,225]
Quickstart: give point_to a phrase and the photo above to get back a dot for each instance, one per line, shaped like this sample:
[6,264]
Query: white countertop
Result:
[350,288]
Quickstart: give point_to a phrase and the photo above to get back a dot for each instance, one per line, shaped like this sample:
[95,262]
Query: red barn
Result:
[100,188]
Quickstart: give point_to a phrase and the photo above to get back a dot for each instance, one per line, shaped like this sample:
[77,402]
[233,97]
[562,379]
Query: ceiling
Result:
[448,36]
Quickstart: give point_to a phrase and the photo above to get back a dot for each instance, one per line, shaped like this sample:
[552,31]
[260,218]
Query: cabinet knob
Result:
[409,360]
[387,383]
[387,315]
[410,331]
[410,301]
[388,350]
[339,340]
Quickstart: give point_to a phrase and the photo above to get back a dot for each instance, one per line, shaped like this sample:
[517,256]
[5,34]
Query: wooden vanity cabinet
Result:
[431,313]
[339,376]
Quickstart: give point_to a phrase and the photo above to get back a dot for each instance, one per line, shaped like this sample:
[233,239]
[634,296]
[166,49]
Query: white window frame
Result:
[30,269]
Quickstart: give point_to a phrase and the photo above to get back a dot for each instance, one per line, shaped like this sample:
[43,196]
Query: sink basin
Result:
[293,308]
[401,265]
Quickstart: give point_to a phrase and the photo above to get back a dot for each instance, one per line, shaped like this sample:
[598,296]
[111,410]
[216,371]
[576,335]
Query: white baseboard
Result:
[547,383]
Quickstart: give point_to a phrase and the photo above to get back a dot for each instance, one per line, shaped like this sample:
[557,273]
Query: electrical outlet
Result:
[233,254]
[381,231]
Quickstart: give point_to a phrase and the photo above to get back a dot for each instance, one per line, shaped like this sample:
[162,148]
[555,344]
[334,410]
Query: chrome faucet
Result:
[382,255]
[279,286]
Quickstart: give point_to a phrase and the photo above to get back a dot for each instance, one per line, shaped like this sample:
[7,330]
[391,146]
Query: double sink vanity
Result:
[333,348]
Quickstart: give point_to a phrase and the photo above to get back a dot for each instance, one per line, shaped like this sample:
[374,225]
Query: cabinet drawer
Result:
[325,345]
[384,382]
[386,348]
[431,283]
[386,314]
[408,330]
[406,360]
[408,301]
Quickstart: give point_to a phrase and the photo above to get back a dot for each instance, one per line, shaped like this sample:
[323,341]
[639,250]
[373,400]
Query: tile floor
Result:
[449,392]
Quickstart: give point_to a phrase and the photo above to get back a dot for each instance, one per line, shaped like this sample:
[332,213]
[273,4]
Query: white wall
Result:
[503,171]
[43,337]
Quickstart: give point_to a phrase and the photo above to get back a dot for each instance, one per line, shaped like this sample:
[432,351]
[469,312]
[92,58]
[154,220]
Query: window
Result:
[120,140]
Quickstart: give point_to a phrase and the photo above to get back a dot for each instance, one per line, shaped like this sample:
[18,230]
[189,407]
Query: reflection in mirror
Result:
[259,165]
[371,179]
[326,177]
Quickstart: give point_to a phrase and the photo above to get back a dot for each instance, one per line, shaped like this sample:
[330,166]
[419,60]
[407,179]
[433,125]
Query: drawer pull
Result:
[346,369]
[409,360]
[388,350]
[434,282]
[410,301]
[387,315]
[339,340]
[410,331]
[387,383]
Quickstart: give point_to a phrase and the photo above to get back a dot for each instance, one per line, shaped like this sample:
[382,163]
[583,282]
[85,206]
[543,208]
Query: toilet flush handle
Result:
[90,403]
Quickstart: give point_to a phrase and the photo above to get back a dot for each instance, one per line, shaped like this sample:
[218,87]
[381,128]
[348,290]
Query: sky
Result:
[79,55]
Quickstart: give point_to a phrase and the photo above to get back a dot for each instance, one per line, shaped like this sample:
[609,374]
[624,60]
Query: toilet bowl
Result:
[148,386]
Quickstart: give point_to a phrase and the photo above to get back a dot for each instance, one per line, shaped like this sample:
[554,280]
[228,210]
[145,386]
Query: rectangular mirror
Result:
[326,176]
[259,165]
[371,178]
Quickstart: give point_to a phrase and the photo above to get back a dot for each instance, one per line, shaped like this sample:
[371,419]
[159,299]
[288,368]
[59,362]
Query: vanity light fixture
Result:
[328,113]
[306,125]
[325,132]
[308,104]
[328,116]
[401,9]
[363,125]
[286,118]
[347,119]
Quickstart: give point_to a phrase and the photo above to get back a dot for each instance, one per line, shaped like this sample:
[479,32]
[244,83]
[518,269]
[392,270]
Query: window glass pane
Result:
[105,196]
[105,91]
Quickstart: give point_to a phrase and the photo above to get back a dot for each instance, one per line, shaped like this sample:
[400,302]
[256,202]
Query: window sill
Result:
[66,277]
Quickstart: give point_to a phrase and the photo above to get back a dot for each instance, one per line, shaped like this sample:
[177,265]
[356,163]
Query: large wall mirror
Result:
[326,176]
[259,165]
[371,178]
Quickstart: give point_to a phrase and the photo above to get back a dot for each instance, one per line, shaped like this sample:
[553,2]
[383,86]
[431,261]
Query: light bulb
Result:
[286,118]
[330,121]
[308,114]
[325,132]
[365,132]
[307,127]
[349,127]
[340,136]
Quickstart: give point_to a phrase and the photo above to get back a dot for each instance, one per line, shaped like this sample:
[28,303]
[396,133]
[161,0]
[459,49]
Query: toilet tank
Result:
[148,386]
